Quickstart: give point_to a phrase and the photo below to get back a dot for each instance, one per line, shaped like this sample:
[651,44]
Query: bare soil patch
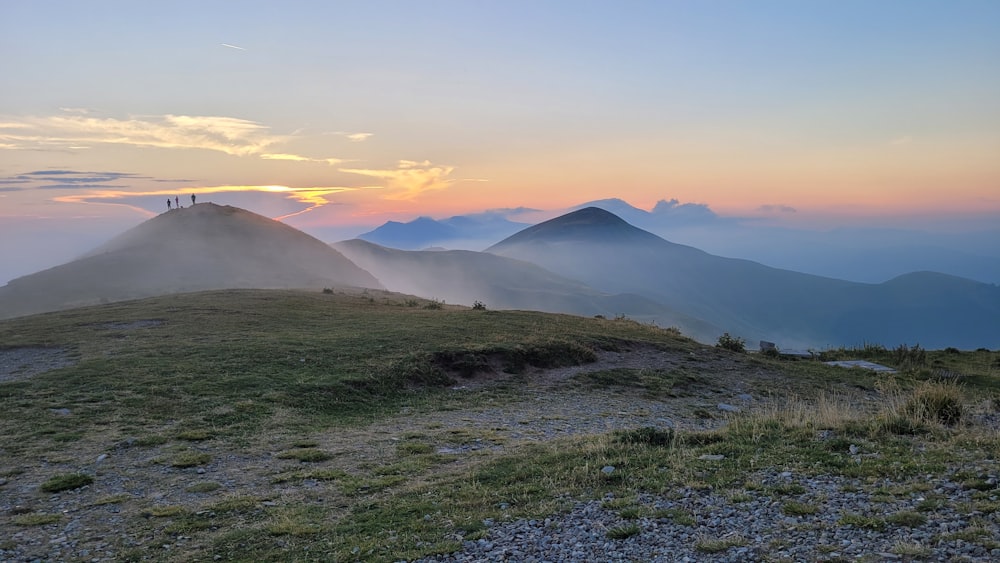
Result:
[21,363]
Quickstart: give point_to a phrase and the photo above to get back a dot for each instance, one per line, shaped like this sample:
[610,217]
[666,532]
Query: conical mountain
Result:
[590,224]
[201,247]
[756,301]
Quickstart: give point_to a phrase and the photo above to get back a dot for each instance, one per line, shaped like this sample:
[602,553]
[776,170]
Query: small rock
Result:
[712,457]
[61,412]
[725,407]
[102,457]
[608,469]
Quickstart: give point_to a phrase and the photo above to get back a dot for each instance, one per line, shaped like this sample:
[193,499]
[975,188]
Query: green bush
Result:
[732,343]
[479,306]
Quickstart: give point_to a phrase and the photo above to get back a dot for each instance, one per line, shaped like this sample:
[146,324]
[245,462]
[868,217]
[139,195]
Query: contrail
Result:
[232,46]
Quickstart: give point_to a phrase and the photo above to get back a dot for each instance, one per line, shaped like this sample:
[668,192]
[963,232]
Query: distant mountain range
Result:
[204,246]
[587,262]
[464,277]
[756,301]
[865,255]
[463,232]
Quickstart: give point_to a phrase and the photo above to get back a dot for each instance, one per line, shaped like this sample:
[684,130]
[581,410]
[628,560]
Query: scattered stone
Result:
[102,457]
[726,407]
[608,469]
[712,457]
[60,412]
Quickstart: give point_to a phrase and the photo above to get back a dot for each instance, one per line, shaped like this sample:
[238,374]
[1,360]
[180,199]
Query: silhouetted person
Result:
[168,204]
[192,199]
[177,202]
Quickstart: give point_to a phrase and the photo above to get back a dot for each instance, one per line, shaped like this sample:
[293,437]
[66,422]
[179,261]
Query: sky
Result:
[337,116]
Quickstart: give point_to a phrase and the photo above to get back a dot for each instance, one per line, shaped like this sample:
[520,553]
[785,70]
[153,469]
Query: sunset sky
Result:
[347,114]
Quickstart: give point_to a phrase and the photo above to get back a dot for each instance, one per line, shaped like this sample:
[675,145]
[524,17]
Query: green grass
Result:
[793,508]
[36,519]
[66,482]
[204,487]
[190,459]
[623,532]
[279,375]
[305,455]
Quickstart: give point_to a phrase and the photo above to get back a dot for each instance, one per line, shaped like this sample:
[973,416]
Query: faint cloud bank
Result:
[773,208]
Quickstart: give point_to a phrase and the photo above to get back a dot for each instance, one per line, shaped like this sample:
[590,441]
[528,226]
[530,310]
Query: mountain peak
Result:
[590,224]
[204,246]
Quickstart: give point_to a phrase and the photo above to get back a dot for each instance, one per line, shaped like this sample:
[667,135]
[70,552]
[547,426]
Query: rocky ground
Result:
[95,525]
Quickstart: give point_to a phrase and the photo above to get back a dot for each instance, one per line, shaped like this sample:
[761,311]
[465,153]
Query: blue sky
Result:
[809,114]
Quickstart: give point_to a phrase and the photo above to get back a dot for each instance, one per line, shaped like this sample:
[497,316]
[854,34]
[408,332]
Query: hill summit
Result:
[201,247]
[590,224]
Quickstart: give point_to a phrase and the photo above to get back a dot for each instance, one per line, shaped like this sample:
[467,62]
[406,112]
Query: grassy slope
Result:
[238,368]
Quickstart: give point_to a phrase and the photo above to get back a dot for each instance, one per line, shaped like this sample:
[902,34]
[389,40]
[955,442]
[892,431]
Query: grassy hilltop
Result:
[276,425]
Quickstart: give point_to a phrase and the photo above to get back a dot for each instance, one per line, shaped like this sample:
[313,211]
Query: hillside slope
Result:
[205,246]
[756,301]
[464,277]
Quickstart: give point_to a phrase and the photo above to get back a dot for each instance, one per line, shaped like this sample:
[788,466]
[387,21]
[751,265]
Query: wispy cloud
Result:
[240,137]
[776,208]
[410,178]
[68,180]
[232,46]
[300,158]
[354,137]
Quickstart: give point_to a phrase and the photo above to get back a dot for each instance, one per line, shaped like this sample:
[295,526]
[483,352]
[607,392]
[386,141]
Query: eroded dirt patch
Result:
[21,363]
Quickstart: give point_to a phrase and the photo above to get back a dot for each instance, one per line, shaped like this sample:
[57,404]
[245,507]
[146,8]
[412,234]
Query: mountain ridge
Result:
[759,302]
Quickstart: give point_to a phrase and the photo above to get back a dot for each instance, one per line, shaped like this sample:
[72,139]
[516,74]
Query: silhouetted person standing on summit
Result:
[177,202]
[168,204]
[192,199]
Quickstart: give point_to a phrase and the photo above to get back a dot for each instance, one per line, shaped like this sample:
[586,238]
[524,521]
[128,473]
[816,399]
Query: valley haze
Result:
[586,262]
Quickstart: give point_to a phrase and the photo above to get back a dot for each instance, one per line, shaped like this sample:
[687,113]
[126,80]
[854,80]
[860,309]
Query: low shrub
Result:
[935,402]
[732,343]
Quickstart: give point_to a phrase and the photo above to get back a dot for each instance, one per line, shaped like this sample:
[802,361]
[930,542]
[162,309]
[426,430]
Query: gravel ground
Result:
[756,526]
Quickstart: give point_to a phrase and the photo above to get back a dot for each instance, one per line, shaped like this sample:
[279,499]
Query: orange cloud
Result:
[410,179]
[314,197]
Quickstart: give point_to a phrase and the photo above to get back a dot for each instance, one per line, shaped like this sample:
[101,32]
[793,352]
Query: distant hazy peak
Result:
[590,224]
